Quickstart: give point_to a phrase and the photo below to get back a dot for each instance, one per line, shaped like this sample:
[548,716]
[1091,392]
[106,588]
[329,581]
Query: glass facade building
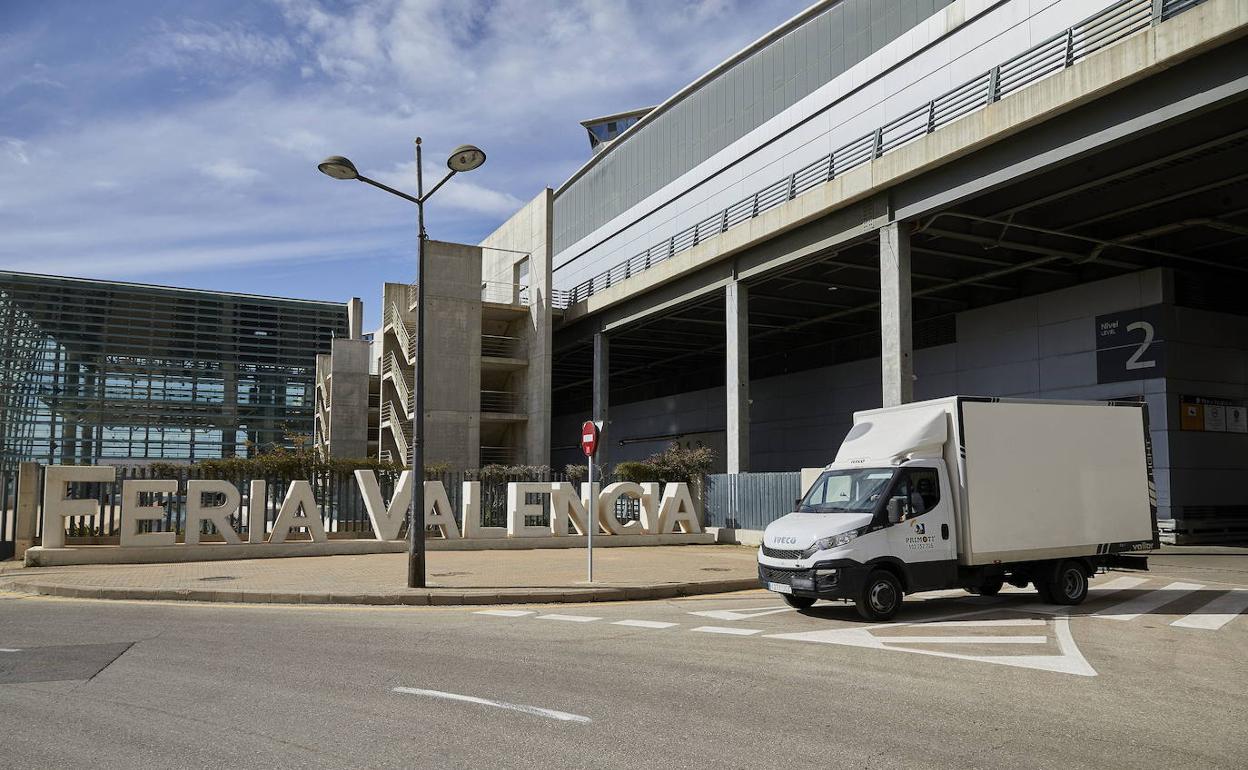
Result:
[94,371]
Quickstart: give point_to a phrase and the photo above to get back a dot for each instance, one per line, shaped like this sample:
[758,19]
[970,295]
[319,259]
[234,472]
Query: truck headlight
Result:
[835,541]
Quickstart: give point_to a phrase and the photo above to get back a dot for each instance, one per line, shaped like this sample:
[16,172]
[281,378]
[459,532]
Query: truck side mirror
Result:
[797,504]
[894,510]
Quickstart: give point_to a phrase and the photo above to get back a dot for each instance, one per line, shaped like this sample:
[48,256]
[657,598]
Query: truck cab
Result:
[855,520]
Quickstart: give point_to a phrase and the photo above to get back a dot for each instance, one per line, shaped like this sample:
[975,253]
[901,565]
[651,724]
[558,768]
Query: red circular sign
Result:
[589,438]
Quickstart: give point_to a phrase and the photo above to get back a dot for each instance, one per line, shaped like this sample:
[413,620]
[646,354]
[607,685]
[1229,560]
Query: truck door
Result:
[924,538]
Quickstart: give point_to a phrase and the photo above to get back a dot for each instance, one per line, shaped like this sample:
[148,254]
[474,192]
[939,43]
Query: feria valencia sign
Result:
[664,508]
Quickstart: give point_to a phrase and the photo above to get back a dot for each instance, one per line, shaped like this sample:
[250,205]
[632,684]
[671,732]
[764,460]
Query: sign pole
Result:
[589,445]
[593,524]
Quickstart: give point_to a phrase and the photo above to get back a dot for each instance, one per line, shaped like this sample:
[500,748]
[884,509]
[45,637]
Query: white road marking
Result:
[964,639]
[731,631]
[569,618]
[741,614]
[983,623]
[8,649]
[643,623]
[1068,660]
[504,613]
[1137,606]
[562,716]
[1218,612]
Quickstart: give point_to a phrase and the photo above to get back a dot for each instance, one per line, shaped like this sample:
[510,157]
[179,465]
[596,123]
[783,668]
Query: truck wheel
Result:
[799,602]
[989,588]
[880,597]
[1069,584]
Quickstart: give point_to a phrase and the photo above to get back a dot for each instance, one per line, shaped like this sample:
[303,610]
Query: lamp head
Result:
[338,167]
[465,157]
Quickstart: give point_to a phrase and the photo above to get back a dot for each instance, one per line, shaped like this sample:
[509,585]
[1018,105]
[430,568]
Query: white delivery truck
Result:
[973,493]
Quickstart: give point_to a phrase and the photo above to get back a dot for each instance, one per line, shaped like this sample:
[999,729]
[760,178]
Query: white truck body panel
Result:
[1031,480]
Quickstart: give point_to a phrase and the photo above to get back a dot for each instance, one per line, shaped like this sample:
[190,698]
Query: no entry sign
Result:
[589,438]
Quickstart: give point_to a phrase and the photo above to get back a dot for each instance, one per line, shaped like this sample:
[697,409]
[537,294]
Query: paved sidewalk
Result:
[455,577]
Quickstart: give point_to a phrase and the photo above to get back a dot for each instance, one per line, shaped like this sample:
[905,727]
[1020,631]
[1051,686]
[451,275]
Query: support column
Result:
[737,379]
[897,347]
[602,384]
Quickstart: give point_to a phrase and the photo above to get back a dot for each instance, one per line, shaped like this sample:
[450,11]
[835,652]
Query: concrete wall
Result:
[527,234]
[1037,347]
[453,354]
[348,399]
[950,47]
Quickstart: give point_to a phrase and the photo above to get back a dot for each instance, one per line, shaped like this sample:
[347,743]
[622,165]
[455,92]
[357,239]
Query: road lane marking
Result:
[1094,593]
[504,613]
[562,716]
[741,614]
[1139,605]
[1068,660]
[9,649]
[1218,612]
[643,623]
[963,639]
[569,618]
[729,631]
[983,623]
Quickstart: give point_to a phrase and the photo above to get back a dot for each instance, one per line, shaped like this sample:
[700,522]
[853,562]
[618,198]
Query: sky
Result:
[176,141]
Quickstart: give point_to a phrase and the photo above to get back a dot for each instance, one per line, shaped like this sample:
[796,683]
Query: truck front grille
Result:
[776,553]
[776,575]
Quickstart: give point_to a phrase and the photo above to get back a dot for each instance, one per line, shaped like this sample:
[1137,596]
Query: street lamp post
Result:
[463,158]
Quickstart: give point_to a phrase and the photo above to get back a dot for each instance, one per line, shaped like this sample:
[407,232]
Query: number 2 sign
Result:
[1130,345]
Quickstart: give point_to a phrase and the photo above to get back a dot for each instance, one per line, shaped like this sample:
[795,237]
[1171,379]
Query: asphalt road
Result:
[1147,675]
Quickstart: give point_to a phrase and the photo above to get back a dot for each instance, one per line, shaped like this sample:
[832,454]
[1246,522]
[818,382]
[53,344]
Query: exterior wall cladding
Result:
[1037,347]
[842,70]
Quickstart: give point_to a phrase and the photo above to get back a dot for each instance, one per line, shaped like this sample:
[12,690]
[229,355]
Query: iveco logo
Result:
[785,540]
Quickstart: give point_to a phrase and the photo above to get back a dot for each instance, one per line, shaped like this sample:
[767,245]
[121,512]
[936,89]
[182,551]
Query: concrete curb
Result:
[434,596]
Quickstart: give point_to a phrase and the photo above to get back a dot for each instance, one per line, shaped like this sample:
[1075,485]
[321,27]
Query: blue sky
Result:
[176,142]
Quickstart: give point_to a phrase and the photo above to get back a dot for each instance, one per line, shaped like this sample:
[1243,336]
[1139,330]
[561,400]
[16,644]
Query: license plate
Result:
[780,588]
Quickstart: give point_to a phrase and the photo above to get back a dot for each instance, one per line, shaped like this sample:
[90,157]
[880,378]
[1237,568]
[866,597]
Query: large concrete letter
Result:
[472,515]
[566,506]
[387,520]
[652,493]
[219,515]
[518,508]
[606,508]
[132,513]
[438,512]
[676,510]
[58,505]
[256,500]
[896,349]
[299,496]
[737,381]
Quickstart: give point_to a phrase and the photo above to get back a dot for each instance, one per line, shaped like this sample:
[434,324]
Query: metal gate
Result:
[8,514]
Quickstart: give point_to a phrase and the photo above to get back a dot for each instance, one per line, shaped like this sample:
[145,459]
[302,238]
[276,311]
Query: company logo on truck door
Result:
[921,543]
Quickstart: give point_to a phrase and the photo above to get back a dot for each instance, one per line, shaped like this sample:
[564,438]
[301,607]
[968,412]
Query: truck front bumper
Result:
[835,579]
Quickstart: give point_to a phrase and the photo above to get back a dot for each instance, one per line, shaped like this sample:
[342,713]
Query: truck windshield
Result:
[854,490]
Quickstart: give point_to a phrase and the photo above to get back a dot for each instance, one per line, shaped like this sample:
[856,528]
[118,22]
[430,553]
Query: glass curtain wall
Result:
[97,370]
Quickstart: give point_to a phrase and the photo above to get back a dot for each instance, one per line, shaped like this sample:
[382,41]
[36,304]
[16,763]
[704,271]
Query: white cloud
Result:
[204,46]
[230,172]
[14,149]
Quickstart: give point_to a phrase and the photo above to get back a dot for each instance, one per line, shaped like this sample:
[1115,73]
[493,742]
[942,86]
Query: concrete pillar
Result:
[897,346]
[737,379]
[355,319]
[26,509]
[602,383]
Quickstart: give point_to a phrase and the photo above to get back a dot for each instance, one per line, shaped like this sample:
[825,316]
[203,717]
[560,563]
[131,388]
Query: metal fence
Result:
[750,500]
[1063,50]
[337,494]
[8,513]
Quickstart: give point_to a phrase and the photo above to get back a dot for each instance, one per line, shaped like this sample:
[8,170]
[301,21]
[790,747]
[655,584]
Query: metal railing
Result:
[402,331]
[501,402]
[397,427]
[1063,50]
[499,346]
[406,390]
[498,455]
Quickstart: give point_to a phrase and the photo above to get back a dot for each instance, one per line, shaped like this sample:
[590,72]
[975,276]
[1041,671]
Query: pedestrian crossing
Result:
[1121,599]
